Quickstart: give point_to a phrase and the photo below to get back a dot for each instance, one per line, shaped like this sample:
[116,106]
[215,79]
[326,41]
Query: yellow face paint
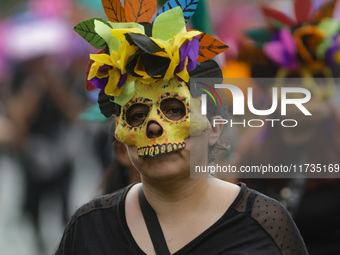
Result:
[155,100]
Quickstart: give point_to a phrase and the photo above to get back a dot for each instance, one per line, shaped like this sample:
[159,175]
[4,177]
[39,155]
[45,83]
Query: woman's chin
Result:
[162,167]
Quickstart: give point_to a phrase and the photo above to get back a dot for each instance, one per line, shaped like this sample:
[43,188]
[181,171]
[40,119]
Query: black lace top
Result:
[253,224]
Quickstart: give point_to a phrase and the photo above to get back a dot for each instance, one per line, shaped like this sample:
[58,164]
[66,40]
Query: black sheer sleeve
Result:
[274,218]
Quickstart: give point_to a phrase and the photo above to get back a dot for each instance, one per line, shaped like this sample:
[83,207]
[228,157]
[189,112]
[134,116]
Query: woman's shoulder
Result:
[273,218]
[254,202]
[92,223]
[99,203]
[265,210]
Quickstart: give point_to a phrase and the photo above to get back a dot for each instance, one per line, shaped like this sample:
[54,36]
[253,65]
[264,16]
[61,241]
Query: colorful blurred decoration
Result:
[306,41]
[50,8]
[239,71]
[236,69]
[3,66]
[94,6]
[29,37]
[230,20]
[31,34]
[230,27]
[41,27]
[298,48]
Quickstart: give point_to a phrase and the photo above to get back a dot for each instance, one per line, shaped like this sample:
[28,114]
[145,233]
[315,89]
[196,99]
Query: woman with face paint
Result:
[143,72]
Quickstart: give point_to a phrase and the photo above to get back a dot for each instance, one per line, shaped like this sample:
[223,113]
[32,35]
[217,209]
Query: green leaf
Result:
[86,29]
[169,24]
[126,94]
[103,29]
[323,48]
[330,26]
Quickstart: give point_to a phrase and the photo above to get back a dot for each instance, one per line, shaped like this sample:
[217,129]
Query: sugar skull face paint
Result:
[168,106]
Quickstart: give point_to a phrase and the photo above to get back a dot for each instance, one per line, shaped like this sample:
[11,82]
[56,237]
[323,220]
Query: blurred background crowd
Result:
[55,156]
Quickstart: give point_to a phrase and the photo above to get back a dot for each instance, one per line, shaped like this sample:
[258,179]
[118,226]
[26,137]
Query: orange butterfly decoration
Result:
[134,11]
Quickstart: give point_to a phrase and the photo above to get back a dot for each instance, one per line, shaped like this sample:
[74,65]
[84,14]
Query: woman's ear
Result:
[215,132]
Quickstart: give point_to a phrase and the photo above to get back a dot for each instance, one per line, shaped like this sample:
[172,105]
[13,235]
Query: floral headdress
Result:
[133,48]
[311,40]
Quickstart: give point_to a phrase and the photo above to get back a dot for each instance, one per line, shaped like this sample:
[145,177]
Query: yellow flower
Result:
[119,33]
[108,71]
[105,73]
[100,60]
[112,88]
[125,51]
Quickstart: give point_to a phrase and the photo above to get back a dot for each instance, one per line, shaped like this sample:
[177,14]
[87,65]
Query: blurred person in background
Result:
[7,134]
[42,108]
[305,49]
[41,67]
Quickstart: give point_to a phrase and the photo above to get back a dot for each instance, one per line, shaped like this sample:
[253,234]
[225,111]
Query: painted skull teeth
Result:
[156,150]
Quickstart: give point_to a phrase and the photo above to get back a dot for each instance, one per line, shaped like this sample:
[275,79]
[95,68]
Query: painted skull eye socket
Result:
[136,114]
[173,108]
